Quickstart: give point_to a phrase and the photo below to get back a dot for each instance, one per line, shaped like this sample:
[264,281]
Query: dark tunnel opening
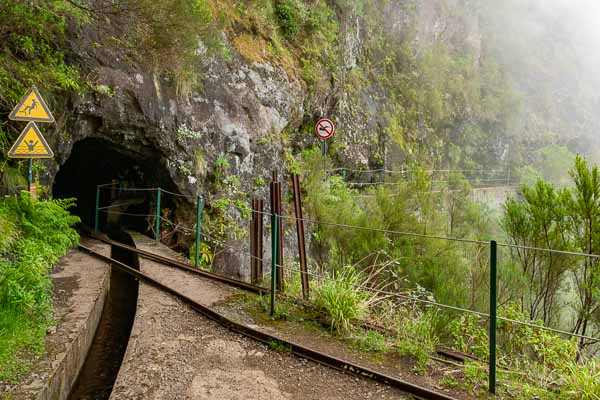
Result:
[96,162]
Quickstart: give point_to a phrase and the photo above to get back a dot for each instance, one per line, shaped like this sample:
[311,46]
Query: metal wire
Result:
[413,234]
[440,305]
[565,252]
[117,205]
[400,233]
[127,214]
[120,189]
[178,194]
[404,171]
[388,293]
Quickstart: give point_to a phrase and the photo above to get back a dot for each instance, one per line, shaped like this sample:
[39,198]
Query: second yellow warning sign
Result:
[31,144]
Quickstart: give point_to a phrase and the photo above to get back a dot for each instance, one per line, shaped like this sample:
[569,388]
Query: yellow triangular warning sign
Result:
[31,144]
[32,108]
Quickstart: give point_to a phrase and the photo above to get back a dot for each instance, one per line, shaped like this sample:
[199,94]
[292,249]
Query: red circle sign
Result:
[325,129]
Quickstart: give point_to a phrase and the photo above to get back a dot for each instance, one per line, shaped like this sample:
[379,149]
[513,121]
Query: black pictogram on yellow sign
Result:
[31,144]
[32,108]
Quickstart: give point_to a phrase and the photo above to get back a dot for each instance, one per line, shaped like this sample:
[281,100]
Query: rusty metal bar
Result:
[259,239]
[300,231]
[253,244]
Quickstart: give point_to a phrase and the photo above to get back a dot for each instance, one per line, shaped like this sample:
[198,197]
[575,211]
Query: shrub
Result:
[341,299]
[291,15]
[582,383]
[416,335]
[372,341]
[37,234]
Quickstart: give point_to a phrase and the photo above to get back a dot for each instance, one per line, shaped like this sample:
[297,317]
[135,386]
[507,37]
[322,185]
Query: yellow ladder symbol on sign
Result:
[32,107]
[31,144]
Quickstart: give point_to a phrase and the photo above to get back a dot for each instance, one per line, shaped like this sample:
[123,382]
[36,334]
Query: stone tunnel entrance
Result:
[95,162]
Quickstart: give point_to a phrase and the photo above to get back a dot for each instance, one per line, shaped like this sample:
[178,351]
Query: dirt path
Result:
[175,353]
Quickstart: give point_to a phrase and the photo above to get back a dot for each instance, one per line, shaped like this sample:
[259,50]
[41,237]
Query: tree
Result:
[584,213]
[539,220]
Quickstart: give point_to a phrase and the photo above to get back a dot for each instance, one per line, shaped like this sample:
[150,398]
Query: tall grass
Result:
[34,235]
[342,298]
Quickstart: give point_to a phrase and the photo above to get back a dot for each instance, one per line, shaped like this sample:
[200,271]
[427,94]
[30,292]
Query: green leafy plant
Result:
[342,299]
[372,342]
[291,15]
[40,232]
[416,335]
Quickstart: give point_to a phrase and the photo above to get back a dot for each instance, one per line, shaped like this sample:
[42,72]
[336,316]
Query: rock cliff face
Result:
[243,108]
[251,116]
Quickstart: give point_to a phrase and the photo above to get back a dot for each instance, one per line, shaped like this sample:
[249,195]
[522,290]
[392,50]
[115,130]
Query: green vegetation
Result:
[562,219]
[339,297]
[35,234]
[32,42]
[357,264]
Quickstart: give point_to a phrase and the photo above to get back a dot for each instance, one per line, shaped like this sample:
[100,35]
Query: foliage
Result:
[566,219]
[539,220]
[184,132]
[32,39]
[416,335]
[551,163]
[31,51]
[300,36]
[291,15]
[40,233]
[441,267]
[206,255]
[221,168]
[372,342]
[582,383]
[342,299]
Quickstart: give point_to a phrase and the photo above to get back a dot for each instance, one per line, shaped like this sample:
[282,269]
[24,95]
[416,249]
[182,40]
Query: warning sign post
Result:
[324,129]
[31,143]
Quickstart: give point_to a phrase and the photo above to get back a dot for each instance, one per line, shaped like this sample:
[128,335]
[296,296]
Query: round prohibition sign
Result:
[325,129]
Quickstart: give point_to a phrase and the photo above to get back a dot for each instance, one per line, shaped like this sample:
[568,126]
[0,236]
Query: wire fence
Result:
[220,243]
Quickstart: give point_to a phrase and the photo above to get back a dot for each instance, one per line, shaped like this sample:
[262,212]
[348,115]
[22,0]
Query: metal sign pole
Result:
[30,175]
[324,154]
[493,309]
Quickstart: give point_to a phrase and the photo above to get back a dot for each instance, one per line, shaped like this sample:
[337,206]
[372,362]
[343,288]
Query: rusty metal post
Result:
[274,268]
[113,190]
[300,231]
[276,209]
[259,241]
[253,244]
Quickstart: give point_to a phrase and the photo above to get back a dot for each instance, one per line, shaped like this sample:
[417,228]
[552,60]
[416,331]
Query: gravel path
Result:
[175,353]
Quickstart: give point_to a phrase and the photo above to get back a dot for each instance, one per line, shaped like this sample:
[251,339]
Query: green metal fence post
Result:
[97,211]
[274,222]
[493,309]
[157,224]
[198,224]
